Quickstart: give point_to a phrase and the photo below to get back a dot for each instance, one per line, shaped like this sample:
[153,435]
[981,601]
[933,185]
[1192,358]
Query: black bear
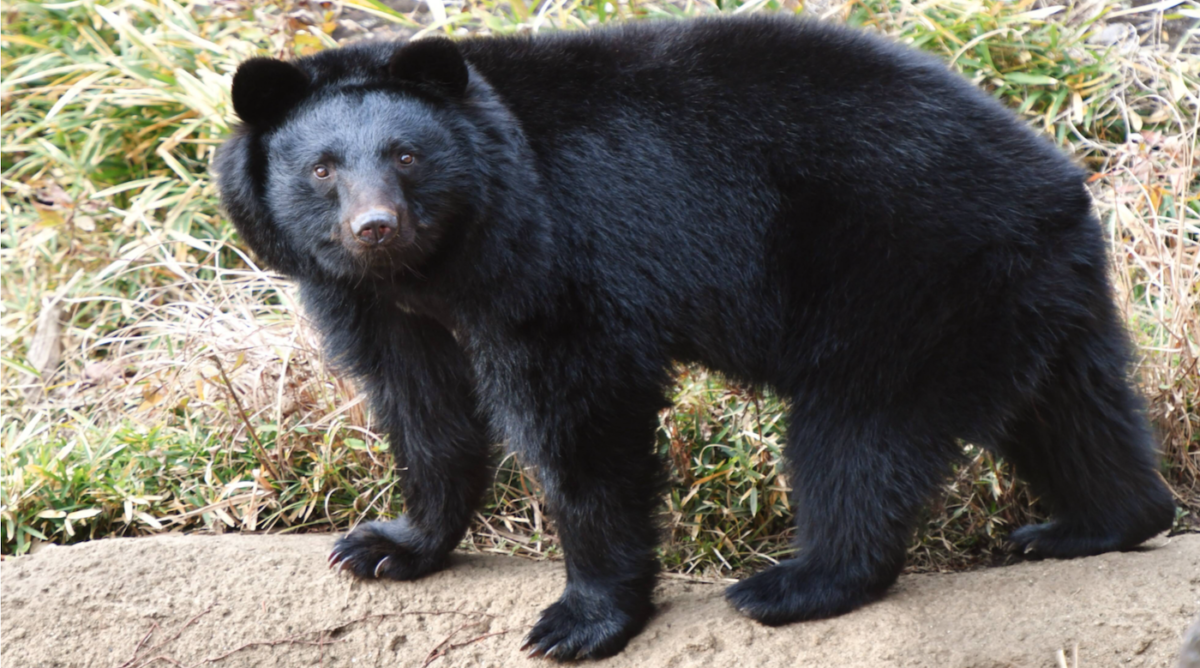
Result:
[514,238]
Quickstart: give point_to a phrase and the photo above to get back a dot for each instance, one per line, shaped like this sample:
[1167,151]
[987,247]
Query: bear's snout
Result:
[374,227]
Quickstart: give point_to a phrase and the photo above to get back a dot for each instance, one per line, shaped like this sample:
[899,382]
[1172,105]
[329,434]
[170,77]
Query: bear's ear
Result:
[265,89]
[434,62]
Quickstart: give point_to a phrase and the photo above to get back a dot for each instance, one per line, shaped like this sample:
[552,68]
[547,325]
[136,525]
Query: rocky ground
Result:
[260,600]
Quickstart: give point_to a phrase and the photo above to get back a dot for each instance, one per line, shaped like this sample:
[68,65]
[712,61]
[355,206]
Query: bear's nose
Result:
[374,227]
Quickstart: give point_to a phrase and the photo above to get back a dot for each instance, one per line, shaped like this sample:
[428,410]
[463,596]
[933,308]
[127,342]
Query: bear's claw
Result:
[380,565]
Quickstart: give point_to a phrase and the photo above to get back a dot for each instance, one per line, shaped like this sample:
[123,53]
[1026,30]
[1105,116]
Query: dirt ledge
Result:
[238,600]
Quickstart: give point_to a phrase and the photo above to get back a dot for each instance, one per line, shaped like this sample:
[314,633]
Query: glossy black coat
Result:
[795,205]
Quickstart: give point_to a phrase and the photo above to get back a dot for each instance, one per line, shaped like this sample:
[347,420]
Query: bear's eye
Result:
[406,159]
[321,172]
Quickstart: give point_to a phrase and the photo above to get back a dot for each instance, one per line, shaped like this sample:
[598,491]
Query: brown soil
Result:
[243,600]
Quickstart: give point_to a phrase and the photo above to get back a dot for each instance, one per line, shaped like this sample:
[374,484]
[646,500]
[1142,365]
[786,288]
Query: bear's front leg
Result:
[602,482]
[422,389]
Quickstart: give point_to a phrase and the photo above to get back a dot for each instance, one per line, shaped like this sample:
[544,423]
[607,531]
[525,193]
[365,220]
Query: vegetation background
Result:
[153,378]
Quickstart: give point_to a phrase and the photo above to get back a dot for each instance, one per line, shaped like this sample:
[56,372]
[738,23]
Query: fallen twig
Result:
[175,636]
[321,641]
[439,651]
[140,645]
[295,639]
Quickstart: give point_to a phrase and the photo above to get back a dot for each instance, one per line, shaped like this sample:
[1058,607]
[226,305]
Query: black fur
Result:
[795,205]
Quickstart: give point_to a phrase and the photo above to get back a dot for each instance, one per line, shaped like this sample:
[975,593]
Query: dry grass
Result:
[154,379]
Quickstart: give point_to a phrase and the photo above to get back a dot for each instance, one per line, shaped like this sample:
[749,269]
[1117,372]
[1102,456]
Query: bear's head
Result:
[354,163]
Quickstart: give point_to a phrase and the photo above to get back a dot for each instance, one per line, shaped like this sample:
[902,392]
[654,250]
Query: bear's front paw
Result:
[583,626]
[386,550]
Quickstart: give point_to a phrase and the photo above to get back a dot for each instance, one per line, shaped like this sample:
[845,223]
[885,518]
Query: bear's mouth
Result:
[377,243]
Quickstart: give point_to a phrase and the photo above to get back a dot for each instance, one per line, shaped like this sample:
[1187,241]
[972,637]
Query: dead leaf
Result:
[52,196]
[152,395]
[99,373]
[45,349]
[149,519]
[53,204]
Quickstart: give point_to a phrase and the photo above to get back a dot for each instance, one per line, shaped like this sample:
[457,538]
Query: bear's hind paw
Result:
[793,591]
[1060,540]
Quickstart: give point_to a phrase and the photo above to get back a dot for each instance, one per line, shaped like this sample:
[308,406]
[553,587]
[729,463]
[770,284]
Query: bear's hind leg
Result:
[1085,448]
[858,487]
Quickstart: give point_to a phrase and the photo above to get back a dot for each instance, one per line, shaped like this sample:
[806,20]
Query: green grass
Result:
[188,392]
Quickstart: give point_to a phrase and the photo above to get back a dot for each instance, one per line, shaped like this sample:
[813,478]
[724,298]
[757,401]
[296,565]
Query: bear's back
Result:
[786,98]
